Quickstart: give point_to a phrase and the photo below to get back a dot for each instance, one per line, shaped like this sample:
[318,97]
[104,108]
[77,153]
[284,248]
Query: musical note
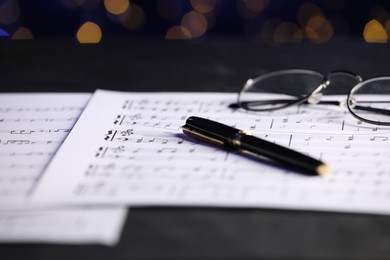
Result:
[149,161]
[17,142]
[32,128]
[110,135]
[379,138]
[119,119]
[75,109]
[36,120]
[22,154]
[21,132]
[167,149]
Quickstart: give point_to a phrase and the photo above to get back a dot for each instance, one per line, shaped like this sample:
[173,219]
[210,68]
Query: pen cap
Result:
[212,129]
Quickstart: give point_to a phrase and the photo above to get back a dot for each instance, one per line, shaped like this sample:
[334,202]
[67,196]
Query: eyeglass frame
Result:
[325,82]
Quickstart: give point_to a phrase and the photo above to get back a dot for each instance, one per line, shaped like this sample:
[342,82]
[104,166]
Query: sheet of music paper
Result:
[32,127]
[127,148]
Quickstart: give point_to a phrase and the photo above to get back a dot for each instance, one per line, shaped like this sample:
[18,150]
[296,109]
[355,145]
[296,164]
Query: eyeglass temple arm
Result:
[379,111]
[247,104]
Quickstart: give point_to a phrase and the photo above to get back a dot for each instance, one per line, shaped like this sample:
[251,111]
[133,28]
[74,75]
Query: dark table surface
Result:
[207,65]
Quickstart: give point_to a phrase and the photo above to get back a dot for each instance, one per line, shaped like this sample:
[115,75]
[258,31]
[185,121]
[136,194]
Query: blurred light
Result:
[170,9]
[195,23]
[251,8]
[178,33]
[203,6]
[133,18]
[116,6]
[89,32]
[22,34]
[307,11]
[3,33]
[374,32]
[9,12]
[318,29]
[316,22]
[287,32]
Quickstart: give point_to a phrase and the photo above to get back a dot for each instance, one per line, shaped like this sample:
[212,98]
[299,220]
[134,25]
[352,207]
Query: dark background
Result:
[232,50]
[250,19]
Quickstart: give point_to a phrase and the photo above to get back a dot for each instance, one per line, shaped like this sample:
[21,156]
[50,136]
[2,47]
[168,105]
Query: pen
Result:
[215,133]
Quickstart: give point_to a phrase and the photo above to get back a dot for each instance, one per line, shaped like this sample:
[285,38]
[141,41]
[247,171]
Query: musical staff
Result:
[31,130]
[134,153]
[32,127]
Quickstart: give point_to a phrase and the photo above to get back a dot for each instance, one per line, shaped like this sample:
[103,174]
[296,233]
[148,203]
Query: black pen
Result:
[214,133]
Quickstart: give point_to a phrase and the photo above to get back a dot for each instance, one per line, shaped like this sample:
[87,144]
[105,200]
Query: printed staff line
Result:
[32,120]
[31,131]
[29,142]
[26,154]
[21,166]
[288,132]
[267,131]
[47,109]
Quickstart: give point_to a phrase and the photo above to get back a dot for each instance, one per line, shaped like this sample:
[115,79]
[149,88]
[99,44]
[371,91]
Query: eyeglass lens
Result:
[368,100]
[279,89]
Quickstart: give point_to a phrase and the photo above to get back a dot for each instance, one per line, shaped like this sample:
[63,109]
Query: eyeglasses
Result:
[368,101]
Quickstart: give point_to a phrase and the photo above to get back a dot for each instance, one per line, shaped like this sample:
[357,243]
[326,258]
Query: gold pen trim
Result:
[323,169]
[201,137]
[237,139]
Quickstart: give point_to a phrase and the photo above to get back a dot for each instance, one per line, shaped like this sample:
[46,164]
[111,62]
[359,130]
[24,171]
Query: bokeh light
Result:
[273,22]
[196,23]
[287,32]
[22,33]
[89,32]
[316,26]
[116,7]
[133,18]
[203,6]
[178,33]
[3,33]
[375,32]
[306,11]
[318,29]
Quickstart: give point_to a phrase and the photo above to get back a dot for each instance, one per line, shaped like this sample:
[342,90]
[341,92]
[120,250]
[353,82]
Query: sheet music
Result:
[128,148]
[32,127]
